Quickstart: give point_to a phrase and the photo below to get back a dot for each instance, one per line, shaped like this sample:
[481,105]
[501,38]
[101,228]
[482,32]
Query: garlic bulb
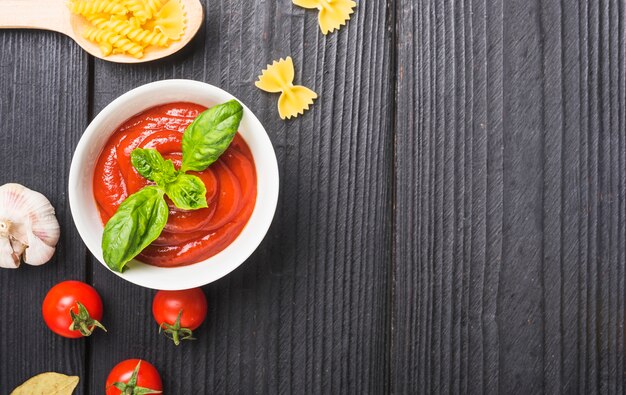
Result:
[29,231]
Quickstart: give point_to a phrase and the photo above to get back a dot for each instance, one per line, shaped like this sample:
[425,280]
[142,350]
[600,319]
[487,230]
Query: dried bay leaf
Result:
[48,383]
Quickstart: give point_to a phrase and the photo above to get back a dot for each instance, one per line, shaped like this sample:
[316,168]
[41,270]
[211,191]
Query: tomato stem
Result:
[130,387]
[83,322]
[175,332]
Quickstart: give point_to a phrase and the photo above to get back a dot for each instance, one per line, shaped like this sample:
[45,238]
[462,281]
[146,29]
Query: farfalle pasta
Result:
[294,99]
[169,20]
[332,13]
[131,26]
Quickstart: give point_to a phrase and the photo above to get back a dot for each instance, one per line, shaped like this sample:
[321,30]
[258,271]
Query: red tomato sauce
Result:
[189,236]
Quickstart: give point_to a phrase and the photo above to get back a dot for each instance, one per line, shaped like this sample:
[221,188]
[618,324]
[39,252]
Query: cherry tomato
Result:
[134,375]
[72,309]
[178,313]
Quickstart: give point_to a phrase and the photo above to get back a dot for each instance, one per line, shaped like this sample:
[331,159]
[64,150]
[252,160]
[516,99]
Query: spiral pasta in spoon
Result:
[131,27]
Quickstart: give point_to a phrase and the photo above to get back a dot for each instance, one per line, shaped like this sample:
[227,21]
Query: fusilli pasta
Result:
[129,26]
[87,8]
[116,40]
[139,9]
[134,33]
[153,5]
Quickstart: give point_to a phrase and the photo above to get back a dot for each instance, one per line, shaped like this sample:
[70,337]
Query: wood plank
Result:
[43,111]
[510,212]
[308,312]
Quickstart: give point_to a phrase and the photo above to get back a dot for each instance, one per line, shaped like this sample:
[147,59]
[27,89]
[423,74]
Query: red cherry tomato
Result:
[146,377]
[179,312]
[79,298]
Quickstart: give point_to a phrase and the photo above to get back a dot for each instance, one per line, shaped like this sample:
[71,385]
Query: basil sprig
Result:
[185,190]
[140,219]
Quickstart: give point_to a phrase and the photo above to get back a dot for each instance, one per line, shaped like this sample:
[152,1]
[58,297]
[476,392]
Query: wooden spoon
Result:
[54,15]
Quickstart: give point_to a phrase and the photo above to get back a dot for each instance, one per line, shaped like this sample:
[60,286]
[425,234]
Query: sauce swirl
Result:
[188,236]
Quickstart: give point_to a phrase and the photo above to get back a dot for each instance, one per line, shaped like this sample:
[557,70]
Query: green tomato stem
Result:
[83,322]
[175,332]
[130,387]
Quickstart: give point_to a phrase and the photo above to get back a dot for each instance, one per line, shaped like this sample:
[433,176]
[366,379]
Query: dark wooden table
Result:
[452,213]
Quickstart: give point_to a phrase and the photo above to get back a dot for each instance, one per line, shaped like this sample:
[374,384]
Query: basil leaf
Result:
[187,192]
[151,165]
[138,222]
[168,174]
[209,135]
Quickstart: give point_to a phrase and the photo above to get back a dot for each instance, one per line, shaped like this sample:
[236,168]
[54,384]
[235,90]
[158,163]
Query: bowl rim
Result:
[213,268]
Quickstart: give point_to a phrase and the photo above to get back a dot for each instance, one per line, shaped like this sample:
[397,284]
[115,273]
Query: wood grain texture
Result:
[510,219]
[452,215]
[43,79]
[308,312]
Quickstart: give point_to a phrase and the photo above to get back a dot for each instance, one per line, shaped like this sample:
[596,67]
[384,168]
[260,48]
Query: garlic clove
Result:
[30,225]
[8,259]
[37,252]
[18,246]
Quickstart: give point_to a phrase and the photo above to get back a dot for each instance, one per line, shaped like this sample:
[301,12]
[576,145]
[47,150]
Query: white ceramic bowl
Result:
[83,204]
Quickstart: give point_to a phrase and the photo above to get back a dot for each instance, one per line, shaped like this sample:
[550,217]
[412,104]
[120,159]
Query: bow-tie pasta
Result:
[333,13]
[294,99]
